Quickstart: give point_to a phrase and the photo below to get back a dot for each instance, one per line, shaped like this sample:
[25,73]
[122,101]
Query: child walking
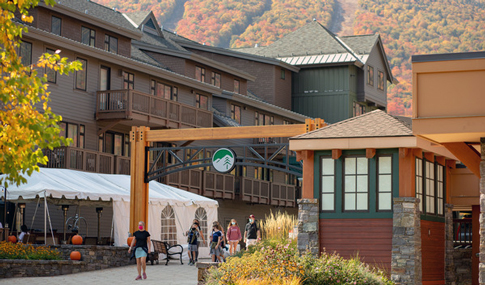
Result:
[216,239]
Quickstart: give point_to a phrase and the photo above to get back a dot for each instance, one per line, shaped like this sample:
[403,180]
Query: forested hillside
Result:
[406,27]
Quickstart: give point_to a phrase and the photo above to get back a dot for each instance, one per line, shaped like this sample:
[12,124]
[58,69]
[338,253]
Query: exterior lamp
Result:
[65,208]
[99,210]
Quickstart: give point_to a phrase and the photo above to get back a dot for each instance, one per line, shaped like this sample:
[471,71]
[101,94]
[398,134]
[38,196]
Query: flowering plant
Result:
[10,250]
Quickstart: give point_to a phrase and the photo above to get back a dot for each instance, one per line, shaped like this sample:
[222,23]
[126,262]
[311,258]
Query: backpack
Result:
[192,236]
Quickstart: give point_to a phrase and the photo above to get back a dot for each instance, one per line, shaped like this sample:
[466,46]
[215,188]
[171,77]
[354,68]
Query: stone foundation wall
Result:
[450,271]
[308,226]
[462,259]
[92,258]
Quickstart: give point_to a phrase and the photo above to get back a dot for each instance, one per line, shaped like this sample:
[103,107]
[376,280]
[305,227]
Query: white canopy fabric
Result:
[72,184]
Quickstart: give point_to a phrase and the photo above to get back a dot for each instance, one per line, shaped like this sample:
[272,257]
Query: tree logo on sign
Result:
[224,160]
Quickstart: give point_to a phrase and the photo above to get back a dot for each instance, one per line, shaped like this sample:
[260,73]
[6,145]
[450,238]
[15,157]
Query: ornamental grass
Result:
[277,226]
[10,250]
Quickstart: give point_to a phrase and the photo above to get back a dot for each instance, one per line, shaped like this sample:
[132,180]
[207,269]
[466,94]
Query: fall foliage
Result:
[25,130]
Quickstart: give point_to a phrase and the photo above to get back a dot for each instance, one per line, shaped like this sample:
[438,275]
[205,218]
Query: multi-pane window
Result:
[110,44]
[236,113]
[56,24]
[82,136]
[328,184]
[169,229]
[370,75]
[236,86]
[163,91]
[216,79]
[81,75]
[51,73]
[419,182]
[440,190]
[201,216]
[356,190]
[384,183]
[128,80]
[380,80]
[69,130]
[430,188]
[25,53]
[88,36]
[114,143]
[200,73]
[202,102]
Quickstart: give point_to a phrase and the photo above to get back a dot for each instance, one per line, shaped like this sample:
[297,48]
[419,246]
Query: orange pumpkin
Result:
[12,239]
[75,255]
[129,241]
[77,239]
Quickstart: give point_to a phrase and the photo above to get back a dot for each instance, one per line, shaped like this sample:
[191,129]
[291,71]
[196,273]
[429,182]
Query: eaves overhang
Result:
[86,17]
[129,63]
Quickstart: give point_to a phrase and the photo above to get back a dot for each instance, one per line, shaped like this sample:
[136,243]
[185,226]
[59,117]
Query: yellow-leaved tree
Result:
[27,124]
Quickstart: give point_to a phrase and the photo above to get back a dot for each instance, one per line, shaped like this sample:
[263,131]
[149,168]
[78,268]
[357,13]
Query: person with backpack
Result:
[193,235]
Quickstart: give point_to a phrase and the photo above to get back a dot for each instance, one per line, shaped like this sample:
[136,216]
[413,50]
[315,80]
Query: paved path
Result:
[172,274]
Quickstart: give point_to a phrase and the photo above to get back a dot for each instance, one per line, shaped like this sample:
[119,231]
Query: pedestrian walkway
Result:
[172,274]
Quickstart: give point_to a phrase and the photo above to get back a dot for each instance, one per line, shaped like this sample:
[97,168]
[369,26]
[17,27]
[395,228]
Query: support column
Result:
[449,262]
[481,267]
[406,242]
[308,226]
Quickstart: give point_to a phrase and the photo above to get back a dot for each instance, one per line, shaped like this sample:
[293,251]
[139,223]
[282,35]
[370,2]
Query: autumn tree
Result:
[27,124]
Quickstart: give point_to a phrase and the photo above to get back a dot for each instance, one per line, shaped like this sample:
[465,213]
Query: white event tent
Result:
[76,185]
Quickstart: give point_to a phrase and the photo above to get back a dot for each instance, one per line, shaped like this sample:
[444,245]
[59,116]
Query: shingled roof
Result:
[361,44]
[373,124]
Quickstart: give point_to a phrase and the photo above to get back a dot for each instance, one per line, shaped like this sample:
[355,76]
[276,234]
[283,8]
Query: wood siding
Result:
[370,239]
[372,93]
[433,252]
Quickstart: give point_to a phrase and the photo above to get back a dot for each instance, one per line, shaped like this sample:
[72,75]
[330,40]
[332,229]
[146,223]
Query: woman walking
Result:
[141,247]
[233,236]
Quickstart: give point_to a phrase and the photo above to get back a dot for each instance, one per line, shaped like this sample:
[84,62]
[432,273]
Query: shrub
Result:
[10,250]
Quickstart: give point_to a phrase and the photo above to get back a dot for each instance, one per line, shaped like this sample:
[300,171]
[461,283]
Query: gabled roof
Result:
[91,10]
[370,125]
[361,44]
[138,17]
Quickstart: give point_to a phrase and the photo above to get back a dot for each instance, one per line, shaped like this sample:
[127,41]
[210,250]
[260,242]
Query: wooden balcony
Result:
[136,108]
[255,191]
[87,160]
[189,180]
[218,185]
[283,195]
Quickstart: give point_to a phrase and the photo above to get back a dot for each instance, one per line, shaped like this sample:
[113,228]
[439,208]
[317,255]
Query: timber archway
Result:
[142,172]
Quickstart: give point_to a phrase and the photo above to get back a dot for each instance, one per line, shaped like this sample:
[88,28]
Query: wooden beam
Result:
[370,152]
[441,160]
[407,169]
[336,153]
[467,155]
[109,126]
[225,133]
[418,153]
[307,187]
[429,156]
[451,163]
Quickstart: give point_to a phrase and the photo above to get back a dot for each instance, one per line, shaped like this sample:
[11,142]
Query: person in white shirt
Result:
[23,232]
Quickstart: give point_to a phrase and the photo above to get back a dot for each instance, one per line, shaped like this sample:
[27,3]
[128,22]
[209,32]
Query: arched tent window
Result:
[169,231]
[201,215]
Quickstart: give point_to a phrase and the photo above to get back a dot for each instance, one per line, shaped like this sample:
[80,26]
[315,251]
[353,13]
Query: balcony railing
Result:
[150,110]
[255,191]
[462,232]
[283,195]
[87,160]
[218,185]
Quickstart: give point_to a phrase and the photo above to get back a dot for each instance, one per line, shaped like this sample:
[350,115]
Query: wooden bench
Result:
[164,247]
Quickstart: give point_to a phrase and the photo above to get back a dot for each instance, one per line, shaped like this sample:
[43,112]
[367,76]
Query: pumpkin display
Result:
[77,239]
[12,239]
[129,240]
[75,255]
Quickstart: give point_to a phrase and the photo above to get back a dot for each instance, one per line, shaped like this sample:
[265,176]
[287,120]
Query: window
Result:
[283,74]
[263,120]
[216,79]
[201,216]
[169,230]
[69,130]
[202,102]
[128,80]
[236,86]
[370,75]
[175,93]
[51,73]
[430,188]
[356,190]
[81,75]
[82,136]
[358,109]
[105,78]
[236,113]
[163,91]
[200,73]
[380,80]
[440,189]
[56,24]
[419,182]
[114,143]
[118,144]
[126,151]
[328,184]
[110,44]
[25,53]
[88,36]
[384,183]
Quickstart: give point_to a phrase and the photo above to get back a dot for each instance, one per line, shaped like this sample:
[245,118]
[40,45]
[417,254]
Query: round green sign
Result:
[224,160]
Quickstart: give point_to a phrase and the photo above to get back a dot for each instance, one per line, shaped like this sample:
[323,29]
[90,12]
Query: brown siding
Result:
[433,251]
[176,64]
[371,239]
[282,88]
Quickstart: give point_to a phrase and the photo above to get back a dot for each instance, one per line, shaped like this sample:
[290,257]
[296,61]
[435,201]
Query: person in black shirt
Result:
[251,232]
[141,244]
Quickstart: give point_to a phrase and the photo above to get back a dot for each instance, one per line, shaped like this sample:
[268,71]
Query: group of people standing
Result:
[141,245]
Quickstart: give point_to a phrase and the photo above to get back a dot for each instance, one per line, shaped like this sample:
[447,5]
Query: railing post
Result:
[67,157]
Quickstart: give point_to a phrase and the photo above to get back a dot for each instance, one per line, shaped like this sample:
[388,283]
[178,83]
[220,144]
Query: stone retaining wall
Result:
[308,226]
[92,258]
[462,259]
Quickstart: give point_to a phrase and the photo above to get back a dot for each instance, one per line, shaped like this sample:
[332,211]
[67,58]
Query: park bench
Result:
[165,248]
